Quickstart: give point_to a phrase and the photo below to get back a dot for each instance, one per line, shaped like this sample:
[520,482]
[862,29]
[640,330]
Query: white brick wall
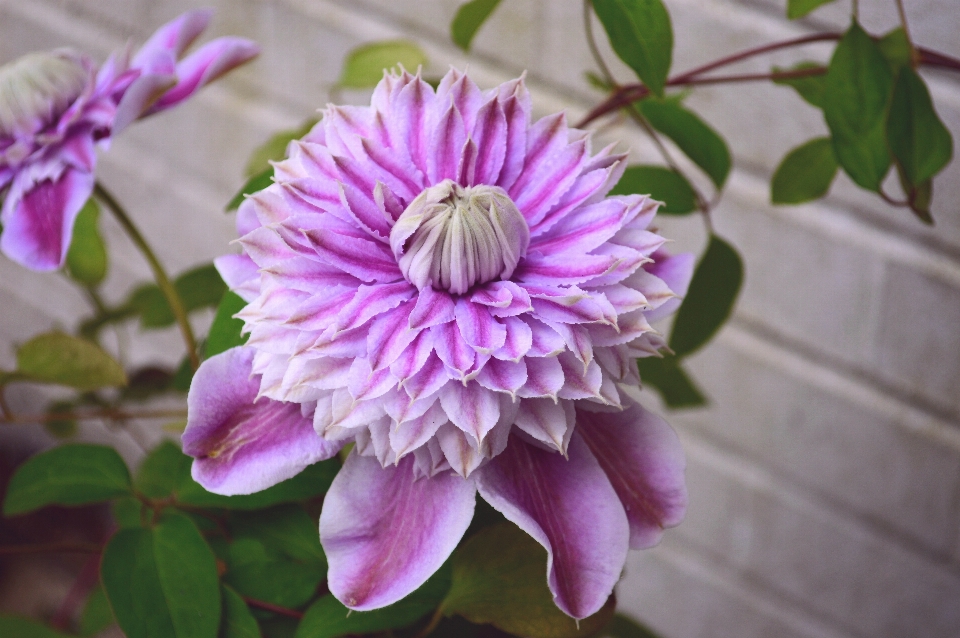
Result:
[825,475]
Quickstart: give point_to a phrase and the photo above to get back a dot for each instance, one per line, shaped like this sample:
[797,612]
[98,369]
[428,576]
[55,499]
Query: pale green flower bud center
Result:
[452,237]
[36,88]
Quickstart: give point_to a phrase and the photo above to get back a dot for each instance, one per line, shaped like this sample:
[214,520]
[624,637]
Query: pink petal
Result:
[515,101]
[385,532]
[205,65]
[505,298]
[458,89]
[175,36]
[447,145]
[241,446]
[583,229]
[433,308]
[472,408]
[413,433]
[371,301]
[519,339]
[585,188]
[409,120]
[365,260]
[479,329]
[569,507]
[559,270]
[490,136]
[459,450]
[643,460]
[546,342]
[452,348]
[544,378]
[431,377]
[503,376]
[675,271]
[240,274]
[547,421]
[389,336]
[413,357]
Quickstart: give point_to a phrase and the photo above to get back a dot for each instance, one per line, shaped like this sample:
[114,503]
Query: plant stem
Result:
[277,609]
[112,414]
[43,548]
[163,281]
[592,43]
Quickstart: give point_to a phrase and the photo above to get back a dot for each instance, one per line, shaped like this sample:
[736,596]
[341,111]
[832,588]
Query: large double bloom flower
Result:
[56,107]
[446,284]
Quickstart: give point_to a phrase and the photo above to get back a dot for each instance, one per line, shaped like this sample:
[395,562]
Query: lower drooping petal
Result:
[569,507]
[38,226]
[241,446]
[385,532]
[642,457]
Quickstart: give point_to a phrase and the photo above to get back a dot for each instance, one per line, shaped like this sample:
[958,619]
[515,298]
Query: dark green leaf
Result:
[96,614]
[692,135]
[799,8]
[641,35]
[920,143]
[163,581]
[710,298]
[365,65]
[805,173]
[200,287]
[225,330]
[74,474]
[328,618]
[59,358]
[256,574]
[809,87]
[253,185]
[274,150]
[127,512]
[163,471]
[623,627]
[285,530]
[498,579]
[183,376]
[470,16]
[919,198]
[17,627]
[661,183]
[237,621]
[310,483]
[87,257]
[895,47]
[671,381]
[855,102]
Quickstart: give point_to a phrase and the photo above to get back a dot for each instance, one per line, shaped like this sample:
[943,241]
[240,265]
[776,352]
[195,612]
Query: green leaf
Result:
[127,512]
[918,196]
[59,358]
[256,574]
[225,330]
[805,173]
[183,377]
[895,47]
[660,183]
[253,185]
[624,627]
[799,8]
[365,65]
[920,143]
[87,257]
[809,87]
[855,103]
[641,35]
[691,134]
[499,579]
[328,618]
[671,381]
[275,149]
[163,581]
[200,287]
[236,620]
[61,428]
[17,627]
[310,483]
[285,530]
[163,471]
[96,615]
[470,17]
[74,474]
[710,298]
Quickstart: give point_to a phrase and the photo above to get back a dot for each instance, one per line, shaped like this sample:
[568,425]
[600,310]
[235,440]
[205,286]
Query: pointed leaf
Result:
[498,578]
[470,17]
[809,87]
[365,65]
[669,379]
[225,332]
[96,615]
[236,620]
[895,47]
[918,139]
[274,149]
[163,471]
[660,183]
[262,576]
[641,35]
[254,184]
[805,173]
[58,358]
[799,8]
[286,530]
[67,475]
[855,101]
[695,137]
[15,626]
[710,298]
[199,287]
[87,257]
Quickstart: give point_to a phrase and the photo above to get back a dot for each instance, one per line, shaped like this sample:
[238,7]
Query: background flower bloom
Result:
[56,106]
[443,282]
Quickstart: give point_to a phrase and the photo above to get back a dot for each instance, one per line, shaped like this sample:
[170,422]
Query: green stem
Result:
[163,281]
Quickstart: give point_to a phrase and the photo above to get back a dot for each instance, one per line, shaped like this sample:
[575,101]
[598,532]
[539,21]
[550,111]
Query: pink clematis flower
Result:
[56,107]
[444,283]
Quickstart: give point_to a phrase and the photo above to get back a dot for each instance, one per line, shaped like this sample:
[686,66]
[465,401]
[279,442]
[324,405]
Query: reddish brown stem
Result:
[277,609]
[107,413]
[81,588]
[43,548]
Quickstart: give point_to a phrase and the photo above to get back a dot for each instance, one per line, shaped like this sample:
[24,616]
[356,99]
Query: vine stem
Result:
[277,609]
[109,413]
[163,280]
[43,548]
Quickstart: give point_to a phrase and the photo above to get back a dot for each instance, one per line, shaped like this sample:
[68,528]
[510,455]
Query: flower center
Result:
[452,238]
[38,87]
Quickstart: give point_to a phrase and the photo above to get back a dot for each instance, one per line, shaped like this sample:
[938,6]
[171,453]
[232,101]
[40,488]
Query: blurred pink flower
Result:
[444,283]
[55,107]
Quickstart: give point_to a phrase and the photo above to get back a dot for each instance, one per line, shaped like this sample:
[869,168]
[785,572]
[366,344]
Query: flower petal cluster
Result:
[443,282]
[56,107]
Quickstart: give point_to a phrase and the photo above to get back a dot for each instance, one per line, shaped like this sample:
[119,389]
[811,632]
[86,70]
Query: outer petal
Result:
[241,446]
[643,459]
[205,65]
[385,532]
[570,508]
[38,225]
